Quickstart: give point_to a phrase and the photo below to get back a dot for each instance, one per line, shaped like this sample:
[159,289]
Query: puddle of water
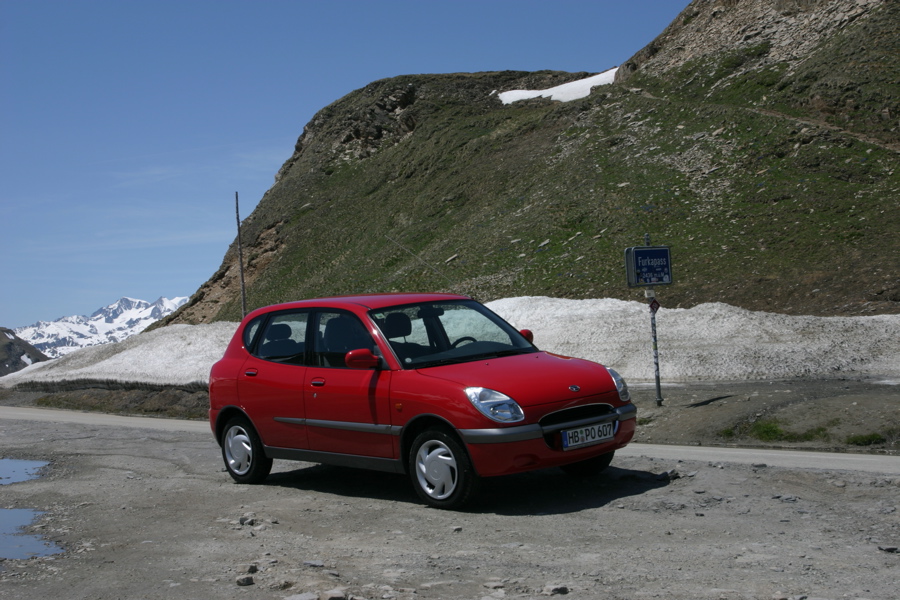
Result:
[12,471]
[13,543]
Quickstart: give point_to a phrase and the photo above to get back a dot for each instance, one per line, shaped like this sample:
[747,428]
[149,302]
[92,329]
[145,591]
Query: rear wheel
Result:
[589,467]
[441,471]
[243,452]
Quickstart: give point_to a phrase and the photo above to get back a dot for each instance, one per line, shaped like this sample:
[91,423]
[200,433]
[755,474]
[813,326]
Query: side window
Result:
[405,331]
[283,339]
[336,334]
[402,325]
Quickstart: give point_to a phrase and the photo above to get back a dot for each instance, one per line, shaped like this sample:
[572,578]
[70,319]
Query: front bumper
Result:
[506,450]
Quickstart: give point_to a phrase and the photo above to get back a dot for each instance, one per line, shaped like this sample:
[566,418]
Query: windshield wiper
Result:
[445,361]
[501,353]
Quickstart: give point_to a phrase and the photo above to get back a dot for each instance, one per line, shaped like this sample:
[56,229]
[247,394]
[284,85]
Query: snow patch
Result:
[566,92]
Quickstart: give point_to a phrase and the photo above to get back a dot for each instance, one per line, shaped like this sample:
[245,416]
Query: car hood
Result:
[530,379]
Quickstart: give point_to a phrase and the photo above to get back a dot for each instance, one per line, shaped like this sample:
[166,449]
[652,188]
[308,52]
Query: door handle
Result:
[318,382]
[251,372]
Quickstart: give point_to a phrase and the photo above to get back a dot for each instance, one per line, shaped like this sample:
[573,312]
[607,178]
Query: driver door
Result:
[347,410]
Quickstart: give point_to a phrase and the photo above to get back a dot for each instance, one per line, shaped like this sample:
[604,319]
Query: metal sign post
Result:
[647,266]
[650,294]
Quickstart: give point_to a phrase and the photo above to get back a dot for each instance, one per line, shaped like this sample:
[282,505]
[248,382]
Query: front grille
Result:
[556,421]
[576,413]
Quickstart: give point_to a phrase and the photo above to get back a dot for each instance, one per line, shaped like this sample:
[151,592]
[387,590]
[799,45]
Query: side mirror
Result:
[361,358]
[528,335]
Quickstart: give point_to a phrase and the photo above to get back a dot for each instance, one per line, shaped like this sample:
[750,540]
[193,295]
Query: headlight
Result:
[621,386]
[494,405]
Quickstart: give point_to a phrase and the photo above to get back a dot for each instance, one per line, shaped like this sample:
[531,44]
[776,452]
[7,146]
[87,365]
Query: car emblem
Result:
[574,388]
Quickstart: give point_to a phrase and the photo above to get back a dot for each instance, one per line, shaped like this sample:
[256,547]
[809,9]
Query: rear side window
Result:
[284,338]
[251,330]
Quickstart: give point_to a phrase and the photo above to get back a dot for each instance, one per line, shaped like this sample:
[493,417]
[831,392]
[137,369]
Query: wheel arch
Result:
[423,423]
[226,414]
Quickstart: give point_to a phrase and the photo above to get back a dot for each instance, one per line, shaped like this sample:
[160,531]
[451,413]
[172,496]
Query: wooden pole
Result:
[237,214]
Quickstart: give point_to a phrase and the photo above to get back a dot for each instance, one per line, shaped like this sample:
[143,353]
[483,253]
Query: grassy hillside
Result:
[775,184]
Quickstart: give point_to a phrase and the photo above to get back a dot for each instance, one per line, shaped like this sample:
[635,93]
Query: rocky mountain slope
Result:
[113,323]
[16,353]
[758,139]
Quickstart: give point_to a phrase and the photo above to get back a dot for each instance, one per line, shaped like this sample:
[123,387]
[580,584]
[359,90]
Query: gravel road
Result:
[149,513]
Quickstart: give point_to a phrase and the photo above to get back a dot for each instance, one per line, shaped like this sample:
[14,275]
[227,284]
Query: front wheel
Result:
[243,452]
[441,471]
[589,467]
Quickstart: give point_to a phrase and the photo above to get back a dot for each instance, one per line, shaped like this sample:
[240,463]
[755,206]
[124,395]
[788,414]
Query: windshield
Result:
[436,333]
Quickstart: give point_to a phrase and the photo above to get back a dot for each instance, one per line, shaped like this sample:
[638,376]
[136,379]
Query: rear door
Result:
[270,385]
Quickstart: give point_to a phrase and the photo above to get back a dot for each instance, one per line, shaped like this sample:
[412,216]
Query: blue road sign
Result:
[648,265]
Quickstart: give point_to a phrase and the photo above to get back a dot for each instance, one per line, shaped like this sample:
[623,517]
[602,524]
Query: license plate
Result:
[586,436]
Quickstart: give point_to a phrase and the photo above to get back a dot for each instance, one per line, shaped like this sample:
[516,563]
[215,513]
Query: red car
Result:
[433,385]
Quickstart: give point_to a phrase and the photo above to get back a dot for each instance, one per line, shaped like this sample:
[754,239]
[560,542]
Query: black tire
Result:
[589,467]
[441,471]
[243,452]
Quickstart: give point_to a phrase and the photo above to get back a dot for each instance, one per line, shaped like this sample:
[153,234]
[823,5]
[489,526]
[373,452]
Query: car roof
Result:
[367,301]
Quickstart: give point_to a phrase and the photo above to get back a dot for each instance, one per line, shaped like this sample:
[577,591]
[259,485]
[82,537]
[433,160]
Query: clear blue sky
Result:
[126,127]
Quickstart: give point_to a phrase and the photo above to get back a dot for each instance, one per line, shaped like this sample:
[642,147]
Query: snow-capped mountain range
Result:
[114,323]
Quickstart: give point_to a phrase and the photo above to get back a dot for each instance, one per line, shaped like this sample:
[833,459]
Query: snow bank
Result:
[707,342]
[710,341]
[173,355]
[563,93]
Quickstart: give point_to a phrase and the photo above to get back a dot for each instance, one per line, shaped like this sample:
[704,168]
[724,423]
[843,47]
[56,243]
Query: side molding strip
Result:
[344,425]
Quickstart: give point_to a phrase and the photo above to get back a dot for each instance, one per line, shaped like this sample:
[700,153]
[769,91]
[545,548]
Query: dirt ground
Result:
[826,411]
[142,513]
